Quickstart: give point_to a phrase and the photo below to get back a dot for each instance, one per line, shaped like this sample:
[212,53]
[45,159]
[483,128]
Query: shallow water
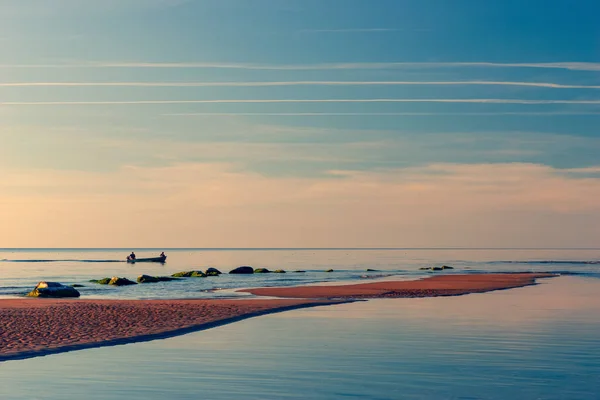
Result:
[538,342]
[20,270]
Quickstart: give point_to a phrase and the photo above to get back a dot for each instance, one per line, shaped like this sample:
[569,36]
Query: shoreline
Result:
[37,327]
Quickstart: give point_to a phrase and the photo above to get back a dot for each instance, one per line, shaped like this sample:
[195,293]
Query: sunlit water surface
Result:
[539,342]
[20,270]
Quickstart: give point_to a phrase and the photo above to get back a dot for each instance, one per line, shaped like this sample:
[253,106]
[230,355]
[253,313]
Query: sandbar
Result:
[31,327]
[440,285]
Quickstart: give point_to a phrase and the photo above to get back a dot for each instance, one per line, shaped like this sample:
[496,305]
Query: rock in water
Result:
[189,274]
[213,272]
[147,279]
[53,289]
[154,279]
[116,281]
[261,271]
[280,271]
[447,267]
[103,281]
[329,270]
[243,270]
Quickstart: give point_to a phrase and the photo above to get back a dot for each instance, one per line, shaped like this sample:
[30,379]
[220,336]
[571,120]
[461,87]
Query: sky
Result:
[299,123]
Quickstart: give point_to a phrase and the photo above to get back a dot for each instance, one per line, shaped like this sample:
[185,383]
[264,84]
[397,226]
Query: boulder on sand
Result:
[53,289]
[213,272]
[189,274]
[154,279]
[116,281]
[243,270]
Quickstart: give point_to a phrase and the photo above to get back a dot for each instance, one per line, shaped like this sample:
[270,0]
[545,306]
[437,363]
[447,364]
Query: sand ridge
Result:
[439,285]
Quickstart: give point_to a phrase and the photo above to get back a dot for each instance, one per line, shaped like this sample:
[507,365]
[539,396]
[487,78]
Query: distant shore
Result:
[37,327]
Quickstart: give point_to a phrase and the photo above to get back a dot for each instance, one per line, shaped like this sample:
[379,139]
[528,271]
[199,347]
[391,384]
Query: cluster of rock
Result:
[55,289]
[443,267]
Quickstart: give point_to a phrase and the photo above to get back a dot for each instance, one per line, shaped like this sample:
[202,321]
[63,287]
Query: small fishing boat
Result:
[152,259]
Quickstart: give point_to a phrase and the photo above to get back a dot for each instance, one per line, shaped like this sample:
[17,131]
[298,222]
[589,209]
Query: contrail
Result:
[296,83]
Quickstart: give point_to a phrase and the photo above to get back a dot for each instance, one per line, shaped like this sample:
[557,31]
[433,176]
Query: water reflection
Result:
[529,343]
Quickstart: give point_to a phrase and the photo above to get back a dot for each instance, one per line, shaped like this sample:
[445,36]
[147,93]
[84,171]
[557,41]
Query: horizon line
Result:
[298,248]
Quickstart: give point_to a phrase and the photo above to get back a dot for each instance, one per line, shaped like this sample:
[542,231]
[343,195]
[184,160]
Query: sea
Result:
[22,269]
[535,342]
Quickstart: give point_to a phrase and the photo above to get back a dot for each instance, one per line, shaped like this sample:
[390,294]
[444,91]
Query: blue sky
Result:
[309,103]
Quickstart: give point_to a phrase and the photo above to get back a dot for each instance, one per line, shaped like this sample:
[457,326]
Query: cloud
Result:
[572,66]
[297,83]
[281,101]
[218,205]
[376,114]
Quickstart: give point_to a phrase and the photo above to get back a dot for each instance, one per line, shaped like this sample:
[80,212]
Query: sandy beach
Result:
[35,327]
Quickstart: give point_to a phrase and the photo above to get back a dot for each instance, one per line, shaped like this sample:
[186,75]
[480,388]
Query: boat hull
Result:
[152,259]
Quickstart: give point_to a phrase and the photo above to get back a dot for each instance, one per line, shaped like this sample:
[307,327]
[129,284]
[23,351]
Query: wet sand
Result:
[31,327]
[441,285]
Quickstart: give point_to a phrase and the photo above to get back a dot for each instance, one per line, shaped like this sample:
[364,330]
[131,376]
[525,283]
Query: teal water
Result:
[22,269]
[539,342]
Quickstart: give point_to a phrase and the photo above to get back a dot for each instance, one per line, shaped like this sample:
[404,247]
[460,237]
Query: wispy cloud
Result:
[380,114]
[298,83]
[266,101]
[574,66]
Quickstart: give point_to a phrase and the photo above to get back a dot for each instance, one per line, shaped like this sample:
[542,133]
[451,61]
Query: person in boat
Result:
[162,255]
[132,256]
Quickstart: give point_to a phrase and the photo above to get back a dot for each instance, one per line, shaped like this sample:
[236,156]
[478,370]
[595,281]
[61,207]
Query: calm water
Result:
[20,270]
[538,342]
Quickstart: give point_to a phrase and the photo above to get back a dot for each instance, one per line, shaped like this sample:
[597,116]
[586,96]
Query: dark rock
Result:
[154,279]
[300,272]
[261,271]
[53,289]
[279,271]
[103,281]
[243,270]
[436,268]
[329,270]
[372,270]
[76,285]
[116,281]
[147,279]
[213,272]
[189,274]
[447,267]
